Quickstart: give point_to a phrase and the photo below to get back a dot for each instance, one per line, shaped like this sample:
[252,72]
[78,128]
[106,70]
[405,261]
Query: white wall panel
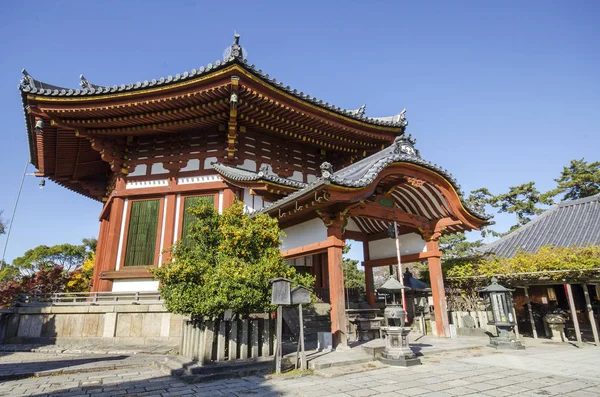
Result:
[310,232]
[410,243]
[135,285]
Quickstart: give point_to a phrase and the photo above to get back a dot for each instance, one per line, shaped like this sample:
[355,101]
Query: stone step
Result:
[194,373]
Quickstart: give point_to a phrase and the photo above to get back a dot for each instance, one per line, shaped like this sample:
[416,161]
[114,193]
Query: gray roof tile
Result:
[365,171]
[570,223]
[235,55]
[265,174]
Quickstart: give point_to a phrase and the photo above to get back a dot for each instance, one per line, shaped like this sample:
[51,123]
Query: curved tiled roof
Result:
[264,174]
[570,223]
[235,56]
[364,172]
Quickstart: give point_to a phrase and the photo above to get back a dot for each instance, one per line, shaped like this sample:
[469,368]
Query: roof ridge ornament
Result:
[360,112]
[235,51]
[27,80]
[404,144]
[326,170]
[265,169]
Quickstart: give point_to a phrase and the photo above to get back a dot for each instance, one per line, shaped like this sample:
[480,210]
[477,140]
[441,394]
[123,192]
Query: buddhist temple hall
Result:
[228,131]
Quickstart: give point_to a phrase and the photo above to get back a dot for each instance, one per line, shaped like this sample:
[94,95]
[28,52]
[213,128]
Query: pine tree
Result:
[578,180]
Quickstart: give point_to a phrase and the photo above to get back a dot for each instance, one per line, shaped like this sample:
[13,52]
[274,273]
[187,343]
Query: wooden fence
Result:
[207,341]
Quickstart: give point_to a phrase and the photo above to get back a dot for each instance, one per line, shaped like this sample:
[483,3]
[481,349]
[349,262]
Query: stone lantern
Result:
[397,350]
[499,305]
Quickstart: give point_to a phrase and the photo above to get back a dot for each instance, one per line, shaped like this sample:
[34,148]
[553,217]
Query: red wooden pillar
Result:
[336,288]
[368,276]
[100,254]
[317,271]
[437,289]
[110,245]
[170,203]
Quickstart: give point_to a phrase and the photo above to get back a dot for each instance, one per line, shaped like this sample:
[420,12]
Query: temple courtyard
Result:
[543,369]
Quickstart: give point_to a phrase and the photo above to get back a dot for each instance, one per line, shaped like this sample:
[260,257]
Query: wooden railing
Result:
[208,341]
[89,298]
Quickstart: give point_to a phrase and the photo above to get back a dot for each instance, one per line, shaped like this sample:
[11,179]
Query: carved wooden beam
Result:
[371,210]
[233,122]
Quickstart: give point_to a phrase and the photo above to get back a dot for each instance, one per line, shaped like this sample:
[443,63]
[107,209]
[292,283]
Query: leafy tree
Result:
[521,200]
[554,263]
[353,276]
[578,180]
[457,246]
[44,281]
[226,265]
[8,272]
[80,279]
[90,244]
[68,256]
[2,224]
[479,198]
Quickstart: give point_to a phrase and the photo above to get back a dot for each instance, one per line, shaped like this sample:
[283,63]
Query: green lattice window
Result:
[143,227]
[188,217]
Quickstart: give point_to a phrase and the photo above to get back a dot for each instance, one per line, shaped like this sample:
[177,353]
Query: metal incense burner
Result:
[397,350]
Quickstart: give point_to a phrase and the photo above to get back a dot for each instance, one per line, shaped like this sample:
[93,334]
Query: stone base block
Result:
[507,345]
[400,362]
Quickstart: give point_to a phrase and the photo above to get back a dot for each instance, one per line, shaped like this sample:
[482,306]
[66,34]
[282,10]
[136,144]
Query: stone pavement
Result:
[541,370]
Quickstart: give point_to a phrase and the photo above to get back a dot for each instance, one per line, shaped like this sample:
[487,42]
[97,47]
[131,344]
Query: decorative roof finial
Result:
[326,170]
[84,83]
[404,144]
[235,51]
[27,80]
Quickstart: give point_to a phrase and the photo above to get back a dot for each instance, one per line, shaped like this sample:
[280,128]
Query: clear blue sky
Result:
[497,93]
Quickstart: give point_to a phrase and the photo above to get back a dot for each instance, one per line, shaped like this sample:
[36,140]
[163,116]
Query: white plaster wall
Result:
[352,226]
[297,176]
[157,168]
[208,162]
[135,285]
[410,243]
[192,165]
[310,178]
[248,206]
[259,203]
[310,232]
[249,165]
[140,169]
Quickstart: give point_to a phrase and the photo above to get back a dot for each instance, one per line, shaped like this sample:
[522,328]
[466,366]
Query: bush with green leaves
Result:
[226,262]
[554,263]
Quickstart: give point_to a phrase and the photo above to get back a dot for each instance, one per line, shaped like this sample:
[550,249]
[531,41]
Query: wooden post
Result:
[209,334]
[438,292]
[233,338]
[590,311]
[336,292]
[221,341]
[531,320]
[255,338]
[266,338]
[278,349]
[369,286]
[302,353]
[514,312]
[244,340]
[368,275]
[573,312]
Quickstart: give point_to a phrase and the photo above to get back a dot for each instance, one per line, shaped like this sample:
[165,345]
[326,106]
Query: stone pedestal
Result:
[397,351]
[556,325]
[505,339]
